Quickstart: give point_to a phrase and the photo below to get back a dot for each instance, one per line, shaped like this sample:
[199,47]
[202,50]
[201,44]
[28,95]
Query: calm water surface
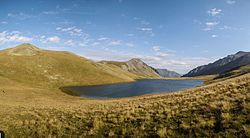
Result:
[139,87]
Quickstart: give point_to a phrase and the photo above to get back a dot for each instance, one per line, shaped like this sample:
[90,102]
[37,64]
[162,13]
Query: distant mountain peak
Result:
[24,50]
[136,60]
[228,63]
[240,52]
[167,73]
[137,67]
[26,45]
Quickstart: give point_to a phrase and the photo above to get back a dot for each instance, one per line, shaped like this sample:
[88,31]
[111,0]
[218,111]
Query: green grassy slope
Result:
[35,67]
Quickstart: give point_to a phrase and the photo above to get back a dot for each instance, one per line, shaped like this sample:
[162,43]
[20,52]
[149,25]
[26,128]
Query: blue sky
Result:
[174,34]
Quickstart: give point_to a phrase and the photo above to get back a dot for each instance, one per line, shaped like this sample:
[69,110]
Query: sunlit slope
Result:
[36,67]
[220,109]
[136,67]
[217,110]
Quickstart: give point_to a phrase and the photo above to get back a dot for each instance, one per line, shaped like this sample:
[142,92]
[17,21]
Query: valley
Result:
[32,104]
[124,69]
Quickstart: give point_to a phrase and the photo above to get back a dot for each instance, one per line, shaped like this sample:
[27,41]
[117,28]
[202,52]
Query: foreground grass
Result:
[216,110]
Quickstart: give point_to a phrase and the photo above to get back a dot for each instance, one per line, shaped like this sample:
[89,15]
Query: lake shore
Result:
[44,111]
[139,87]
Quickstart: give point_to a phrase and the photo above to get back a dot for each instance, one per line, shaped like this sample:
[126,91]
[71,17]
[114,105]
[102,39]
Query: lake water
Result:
[139,87]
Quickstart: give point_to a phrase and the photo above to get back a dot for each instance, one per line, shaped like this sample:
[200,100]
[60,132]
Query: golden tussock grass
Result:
[217,110]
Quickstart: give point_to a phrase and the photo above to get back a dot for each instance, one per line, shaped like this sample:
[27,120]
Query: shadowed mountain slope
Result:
[167,73]
[231,74]
[222,65]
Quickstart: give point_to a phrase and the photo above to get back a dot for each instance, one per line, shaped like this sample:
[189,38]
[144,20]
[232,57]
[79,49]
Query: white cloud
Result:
[210,26]
[231,2]
[53,39]
[115,43]
[136,18]
[212,23]
[20,15]
[165,61]
[106,41]
[18,38]
[130,35]
[143,22]
[49,12]
[197,21]
[69,42]
[102,38]
[73,31]
[214,12]
[95,43]
[145,29]
[162,54]
[156,48]
[3,22]
[13,36]
[130,44]
[214,36]
[179,64]
[225,27]
[76,43]
[144,26]
[83,38]
[83,44]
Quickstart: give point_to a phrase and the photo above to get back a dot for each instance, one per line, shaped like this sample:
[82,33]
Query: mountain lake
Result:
[139,87]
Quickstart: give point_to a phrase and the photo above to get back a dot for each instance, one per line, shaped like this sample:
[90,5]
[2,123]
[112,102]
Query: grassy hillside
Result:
[32,106]
[216,110]
[134,66]
[42,68]
[231,74]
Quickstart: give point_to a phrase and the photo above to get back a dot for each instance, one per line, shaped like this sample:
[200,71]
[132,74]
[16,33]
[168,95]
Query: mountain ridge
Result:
[222,65]
[31,65]
[136,66]
[168,73]
[24,50]
[37,67]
